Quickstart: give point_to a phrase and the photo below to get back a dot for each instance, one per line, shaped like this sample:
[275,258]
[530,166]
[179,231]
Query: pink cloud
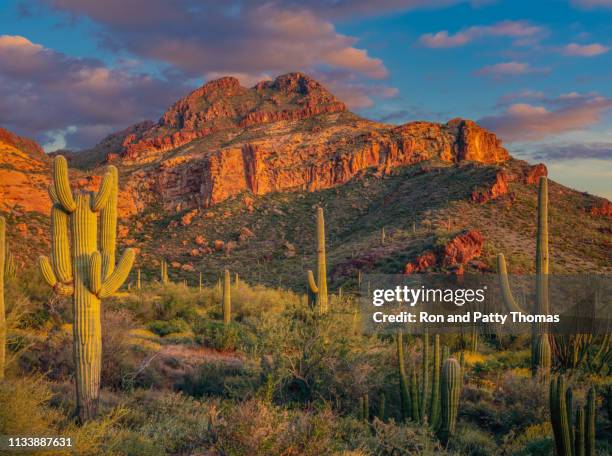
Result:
[500,70]
[525,122]
[585,50]
[513,29]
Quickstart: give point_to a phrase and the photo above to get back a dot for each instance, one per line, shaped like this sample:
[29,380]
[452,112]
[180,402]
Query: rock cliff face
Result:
[290,133]
[286,134]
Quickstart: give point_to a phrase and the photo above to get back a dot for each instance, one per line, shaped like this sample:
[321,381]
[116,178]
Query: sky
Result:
[537,73]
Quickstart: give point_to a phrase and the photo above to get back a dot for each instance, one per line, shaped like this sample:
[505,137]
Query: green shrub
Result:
[221,379]
[217,335]
[163,328]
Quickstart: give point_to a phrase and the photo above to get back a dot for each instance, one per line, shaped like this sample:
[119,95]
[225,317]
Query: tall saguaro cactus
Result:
[78,269]
[2,308]
[540,345]
[450,392]
[163,272]
[318,288]
[227,300]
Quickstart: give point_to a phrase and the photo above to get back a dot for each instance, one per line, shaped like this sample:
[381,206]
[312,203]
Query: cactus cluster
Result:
[574,433]
[440,407]
[78,269]
[317,289]
[2,309]
[540,346]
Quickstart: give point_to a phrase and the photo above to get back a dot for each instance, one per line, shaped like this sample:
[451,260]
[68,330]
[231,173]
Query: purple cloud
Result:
[597,150]
[67,99]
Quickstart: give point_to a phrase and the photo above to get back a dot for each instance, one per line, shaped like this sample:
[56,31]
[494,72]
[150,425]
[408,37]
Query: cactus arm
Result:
[227,302]
[47,271]
[108,223]
[509,300]
[119,275]
[101,197]
[590,413]
[62,185]
[312,284]
[53,194]
[95,273]
[60,244]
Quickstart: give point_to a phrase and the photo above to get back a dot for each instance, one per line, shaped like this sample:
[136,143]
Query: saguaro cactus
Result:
[579,433]
[163,272]
[540,346]
[559,416]
[318,288]
[138,284]
[227,300]
[403,381]
[79,270]
[450,392]
[2,309]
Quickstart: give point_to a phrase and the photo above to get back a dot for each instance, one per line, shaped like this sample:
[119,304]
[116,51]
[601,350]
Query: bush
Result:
[163,328]
[222,379]
[473,442]
[217,335]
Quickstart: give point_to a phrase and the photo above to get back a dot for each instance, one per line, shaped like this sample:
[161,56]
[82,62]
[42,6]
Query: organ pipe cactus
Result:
[227,300]
[434,405]
[450,391]
[414,395]
[590,423]
[2,308]
[403,381]
[80,270]
[540,347]
[425,377]
[318,288]
[579,433]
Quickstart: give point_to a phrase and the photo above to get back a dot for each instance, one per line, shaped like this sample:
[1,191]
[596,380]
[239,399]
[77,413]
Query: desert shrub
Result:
[119,359]
[51,354]
[165,327]
[535,440]
[221,379]
[217,335]
[173,422]
[260,429]
[473,442]
[23,407]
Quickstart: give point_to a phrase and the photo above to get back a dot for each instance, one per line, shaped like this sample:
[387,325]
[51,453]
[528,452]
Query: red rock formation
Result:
[457,253]
[603,209]
[497,189]
[422,263]
[533,174]
[463,248]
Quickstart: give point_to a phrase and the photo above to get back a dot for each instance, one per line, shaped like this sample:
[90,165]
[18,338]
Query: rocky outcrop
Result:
[498,188]
[602,209]
[533,173]
[460,251]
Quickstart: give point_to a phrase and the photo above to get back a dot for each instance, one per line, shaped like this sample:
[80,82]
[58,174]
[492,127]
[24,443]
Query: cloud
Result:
[246,37]
[526,122]
[42,92]
[595,150]
[585,50]
[521,30]
[500,70]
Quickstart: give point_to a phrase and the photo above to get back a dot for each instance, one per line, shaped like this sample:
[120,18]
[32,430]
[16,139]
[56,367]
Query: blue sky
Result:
[537,73]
